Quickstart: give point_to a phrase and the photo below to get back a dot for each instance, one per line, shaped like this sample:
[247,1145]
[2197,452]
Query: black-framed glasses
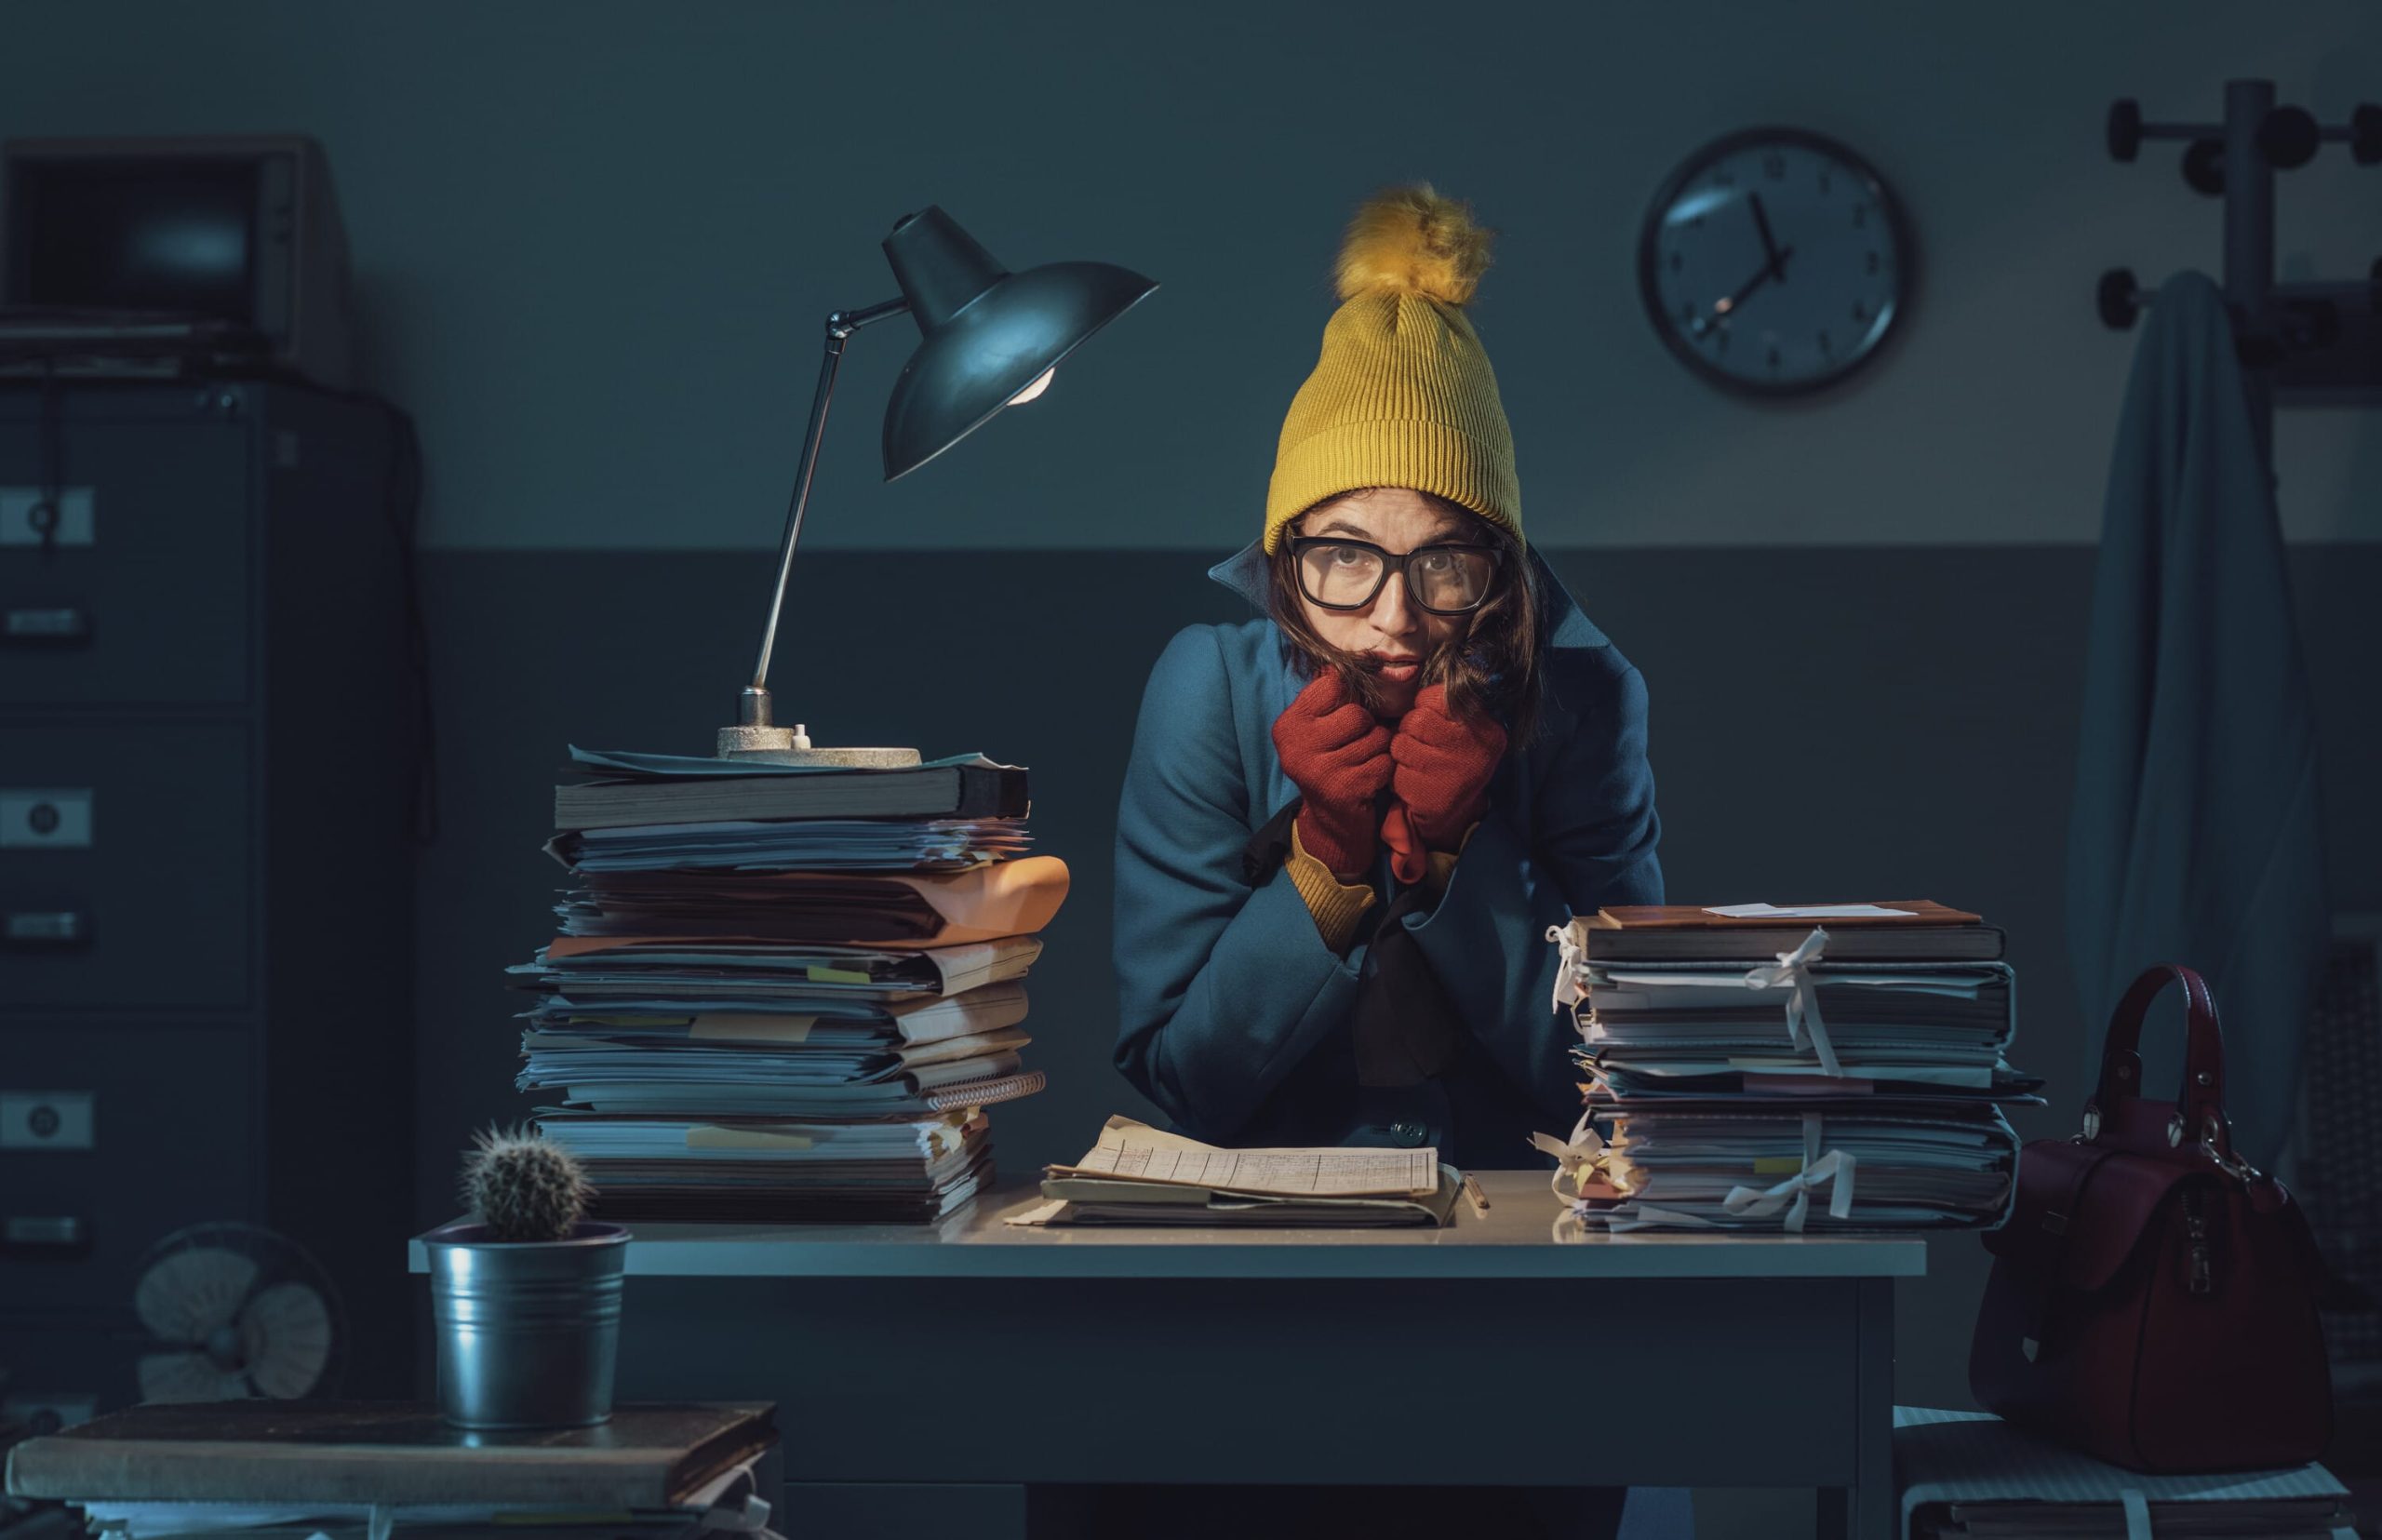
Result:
[1349,574]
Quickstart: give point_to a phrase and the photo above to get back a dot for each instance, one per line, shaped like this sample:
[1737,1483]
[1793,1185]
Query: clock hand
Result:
[1777,258]
[1776,267]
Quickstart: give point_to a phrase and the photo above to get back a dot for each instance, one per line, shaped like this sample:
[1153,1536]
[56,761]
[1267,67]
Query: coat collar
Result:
[1568,625]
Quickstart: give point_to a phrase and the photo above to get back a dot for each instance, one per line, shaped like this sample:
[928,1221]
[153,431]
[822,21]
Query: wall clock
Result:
[1775,262]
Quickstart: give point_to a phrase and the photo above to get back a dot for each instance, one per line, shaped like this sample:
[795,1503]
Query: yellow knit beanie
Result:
[1403,395]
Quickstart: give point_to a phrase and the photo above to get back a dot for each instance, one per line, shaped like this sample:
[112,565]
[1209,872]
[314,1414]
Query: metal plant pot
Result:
[528,1331]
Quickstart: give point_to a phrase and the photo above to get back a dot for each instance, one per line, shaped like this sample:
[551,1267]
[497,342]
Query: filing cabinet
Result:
[156,906]
[90,620]
[47,1366]
[207,764]
[189,1103]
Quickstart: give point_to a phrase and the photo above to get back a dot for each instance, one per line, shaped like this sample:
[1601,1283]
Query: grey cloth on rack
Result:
[2197,835]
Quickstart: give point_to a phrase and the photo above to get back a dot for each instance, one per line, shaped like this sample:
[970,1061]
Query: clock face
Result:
[1775,262]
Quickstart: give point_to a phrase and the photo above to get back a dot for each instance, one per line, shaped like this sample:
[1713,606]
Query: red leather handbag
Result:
[2153,1296]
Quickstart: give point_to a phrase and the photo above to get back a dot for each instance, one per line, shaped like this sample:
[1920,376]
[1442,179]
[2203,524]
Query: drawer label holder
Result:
[47,1120]
[28,516]
[55,818]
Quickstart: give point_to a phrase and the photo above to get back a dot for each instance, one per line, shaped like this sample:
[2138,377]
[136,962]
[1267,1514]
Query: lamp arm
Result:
[753,710]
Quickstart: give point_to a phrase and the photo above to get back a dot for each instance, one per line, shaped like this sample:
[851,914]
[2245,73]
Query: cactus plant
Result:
[523,1185]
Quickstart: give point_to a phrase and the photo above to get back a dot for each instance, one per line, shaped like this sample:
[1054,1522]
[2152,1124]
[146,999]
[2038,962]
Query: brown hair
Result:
[1490,669]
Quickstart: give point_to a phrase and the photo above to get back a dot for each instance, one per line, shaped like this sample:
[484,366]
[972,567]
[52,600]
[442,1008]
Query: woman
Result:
[1348,824]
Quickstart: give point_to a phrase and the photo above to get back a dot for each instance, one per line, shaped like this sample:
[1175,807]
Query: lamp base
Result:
[776,745]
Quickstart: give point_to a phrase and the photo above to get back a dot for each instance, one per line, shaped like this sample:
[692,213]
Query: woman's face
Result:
[1395,635]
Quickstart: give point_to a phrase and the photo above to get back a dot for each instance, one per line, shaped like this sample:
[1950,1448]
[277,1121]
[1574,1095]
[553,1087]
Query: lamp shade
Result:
[989,333]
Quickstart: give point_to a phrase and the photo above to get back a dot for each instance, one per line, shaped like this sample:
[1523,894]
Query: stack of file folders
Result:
[1803,1069]
[786,992]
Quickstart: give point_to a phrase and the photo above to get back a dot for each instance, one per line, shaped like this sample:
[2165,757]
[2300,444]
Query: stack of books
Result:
[1820,1067]
[272,1469]
[785,994]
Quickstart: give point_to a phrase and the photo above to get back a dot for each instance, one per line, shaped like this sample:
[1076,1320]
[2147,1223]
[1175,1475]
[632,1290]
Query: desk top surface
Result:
[1516,1240]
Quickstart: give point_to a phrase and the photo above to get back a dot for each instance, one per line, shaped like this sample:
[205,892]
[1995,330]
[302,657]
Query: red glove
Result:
[1338,756]
[1444,763]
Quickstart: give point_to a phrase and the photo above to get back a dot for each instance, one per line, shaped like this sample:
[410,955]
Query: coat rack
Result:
[2301,343]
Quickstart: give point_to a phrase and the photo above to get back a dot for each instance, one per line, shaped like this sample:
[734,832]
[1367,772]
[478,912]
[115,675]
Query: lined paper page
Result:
[1135,1152]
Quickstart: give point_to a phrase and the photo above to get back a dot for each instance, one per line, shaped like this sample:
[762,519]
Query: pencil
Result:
[1472,1190]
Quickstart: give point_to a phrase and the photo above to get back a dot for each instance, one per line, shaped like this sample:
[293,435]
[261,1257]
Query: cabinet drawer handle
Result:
[62,625]
[44,1232]
[46,928]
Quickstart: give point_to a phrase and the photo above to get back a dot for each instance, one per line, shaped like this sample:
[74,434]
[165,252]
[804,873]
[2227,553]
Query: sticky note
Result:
[712,1137]
[834,975]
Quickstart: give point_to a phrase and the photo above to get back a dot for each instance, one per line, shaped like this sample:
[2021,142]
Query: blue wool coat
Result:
[1234,1017]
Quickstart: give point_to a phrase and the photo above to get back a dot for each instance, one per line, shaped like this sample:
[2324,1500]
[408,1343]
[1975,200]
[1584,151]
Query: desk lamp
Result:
[992,340]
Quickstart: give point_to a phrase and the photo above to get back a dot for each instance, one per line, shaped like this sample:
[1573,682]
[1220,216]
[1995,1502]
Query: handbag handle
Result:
[2200,1104]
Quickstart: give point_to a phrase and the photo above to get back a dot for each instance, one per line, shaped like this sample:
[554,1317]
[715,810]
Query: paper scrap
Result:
[1041,1213]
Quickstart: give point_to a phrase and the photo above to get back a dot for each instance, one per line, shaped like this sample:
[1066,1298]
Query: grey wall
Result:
[1841,724]
[595,241]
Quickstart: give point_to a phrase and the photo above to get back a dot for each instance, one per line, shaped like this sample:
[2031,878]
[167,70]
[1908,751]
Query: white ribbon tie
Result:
[1572,954]
[1833,1169]
[1586,1151]
[1792,972]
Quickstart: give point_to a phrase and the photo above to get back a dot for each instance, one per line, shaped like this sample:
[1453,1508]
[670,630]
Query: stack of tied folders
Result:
[786,992]
[1136,1175]
[1823,1066]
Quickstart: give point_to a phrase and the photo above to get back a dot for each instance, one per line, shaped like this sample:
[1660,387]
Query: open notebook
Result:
[1136,1175]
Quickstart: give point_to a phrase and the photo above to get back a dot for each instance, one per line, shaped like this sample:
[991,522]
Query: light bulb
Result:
[1040,383]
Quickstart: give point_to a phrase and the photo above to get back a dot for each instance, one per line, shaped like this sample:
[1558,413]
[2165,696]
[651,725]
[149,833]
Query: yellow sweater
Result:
[1338,906]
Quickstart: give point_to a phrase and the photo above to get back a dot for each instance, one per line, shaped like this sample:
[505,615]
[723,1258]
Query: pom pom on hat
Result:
[1409,240]
[1401,394]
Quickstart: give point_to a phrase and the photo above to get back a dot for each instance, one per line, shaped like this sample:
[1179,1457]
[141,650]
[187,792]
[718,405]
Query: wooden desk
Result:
[1486,1353]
